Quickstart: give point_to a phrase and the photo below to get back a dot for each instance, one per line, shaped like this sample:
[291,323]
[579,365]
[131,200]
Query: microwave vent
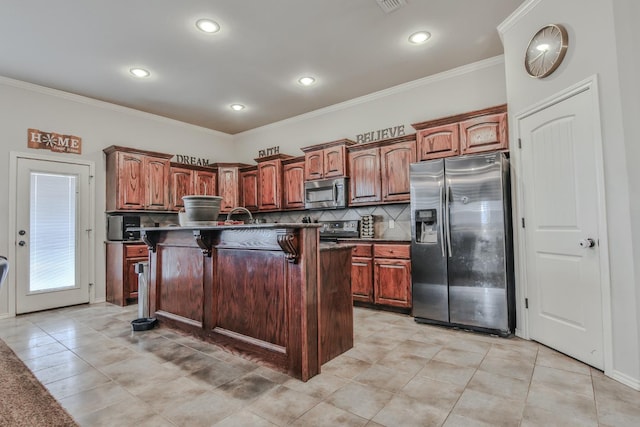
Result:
[389,6]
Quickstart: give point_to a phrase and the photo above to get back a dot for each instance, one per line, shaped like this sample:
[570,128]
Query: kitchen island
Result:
[267,291]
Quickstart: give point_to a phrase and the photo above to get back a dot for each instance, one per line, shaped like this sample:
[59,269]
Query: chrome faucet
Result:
[242,209]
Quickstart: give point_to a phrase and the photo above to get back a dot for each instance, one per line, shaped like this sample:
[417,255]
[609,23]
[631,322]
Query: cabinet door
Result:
[485,133]
[181,184]
[249,184]
[130,186]
[131,277]
[157,183]
[362,279]
[228,188]
[269,185]
[392,282]
[205,183]
[438,142]
[364,183]
[394,165]
[314,165]
[334,162]
[293,186]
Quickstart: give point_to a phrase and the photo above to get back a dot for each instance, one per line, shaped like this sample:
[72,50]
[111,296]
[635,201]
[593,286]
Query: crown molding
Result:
[516,16]
[105,105]
[425,81]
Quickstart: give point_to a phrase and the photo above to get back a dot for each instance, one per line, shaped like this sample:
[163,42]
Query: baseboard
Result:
[99,300]
[625,379]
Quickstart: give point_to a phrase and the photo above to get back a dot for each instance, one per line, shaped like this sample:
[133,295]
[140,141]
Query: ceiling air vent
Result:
[389,6]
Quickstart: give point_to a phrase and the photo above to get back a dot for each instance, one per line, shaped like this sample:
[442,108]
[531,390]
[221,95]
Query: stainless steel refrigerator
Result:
[461,243]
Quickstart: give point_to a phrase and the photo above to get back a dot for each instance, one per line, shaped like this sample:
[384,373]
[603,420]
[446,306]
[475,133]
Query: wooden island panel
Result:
[255,290]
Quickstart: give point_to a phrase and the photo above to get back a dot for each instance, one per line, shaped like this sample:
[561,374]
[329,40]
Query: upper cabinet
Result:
[380,171]
[293,183]
[249,185]
[438,141]
[137,179]
[187,180]
[484,133]
[326,160]
[270,182]
[474,132]
[229,185]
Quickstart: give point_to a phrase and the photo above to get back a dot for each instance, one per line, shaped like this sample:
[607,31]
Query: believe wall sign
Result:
[376,135]
[54,141]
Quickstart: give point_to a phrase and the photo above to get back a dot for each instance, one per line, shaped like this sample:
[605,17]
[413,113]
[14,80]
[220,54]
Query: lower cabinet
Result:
[121,278]
[381,274]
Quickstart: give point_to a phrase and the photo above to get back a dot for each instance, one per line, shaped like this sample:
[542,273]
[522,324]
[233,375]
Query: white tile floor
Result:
[399,373]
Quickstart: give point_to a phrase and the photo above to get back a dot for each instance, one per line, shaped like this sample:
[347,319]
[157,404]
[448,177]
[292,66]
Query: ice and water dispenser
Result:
[426,226]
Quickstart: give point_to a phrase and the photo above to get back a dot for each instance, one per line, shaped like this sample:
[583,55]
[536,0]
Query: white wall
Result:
[100,125]
[464,89]
[593,51]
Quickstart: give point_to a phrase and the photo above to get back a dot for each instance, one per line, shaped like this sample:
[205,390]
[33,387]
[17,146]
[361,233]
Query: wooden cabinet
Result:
[136,179]
[381,274]
[484,133]
[121,278]
[204,183]
[364,183]
[326,160]
[380,171]
[438,142]
[362,273]
[392,275]
[229,185]
[394,170]
[249,185]
[186,180]
[270,184]
[468,133]
[293,183]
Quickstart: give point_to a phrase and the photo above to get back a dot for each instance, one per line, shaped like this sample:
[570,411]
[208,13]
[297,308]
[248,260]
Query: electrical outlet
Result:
[392,224]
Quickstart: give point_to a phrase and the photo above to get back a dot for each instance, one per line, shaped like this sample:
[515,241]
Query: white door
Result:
[560,193]
[53,234]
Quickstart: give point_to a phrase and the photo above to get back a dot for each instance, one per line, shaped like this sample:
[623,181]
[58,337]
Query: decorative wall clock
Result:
[546,50]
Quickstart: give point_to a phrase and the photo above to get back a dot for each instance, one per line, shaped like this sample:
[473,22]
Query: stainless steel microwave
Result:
[326,194]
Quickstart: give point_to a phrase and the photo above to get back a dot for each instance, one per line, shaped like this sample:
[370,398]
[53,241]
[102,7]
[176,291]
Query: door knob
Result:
[22,232]
[22,243]
[587,243]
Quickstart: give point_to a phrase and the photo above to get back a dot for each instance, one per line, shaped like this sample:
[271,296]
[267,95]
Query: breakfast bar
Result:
[267,291]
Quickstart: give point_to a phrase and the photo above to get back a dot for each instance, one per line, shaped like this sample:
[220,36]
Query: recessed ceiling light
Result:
[237,107]
[208,26]
[139,72]
[306,81]
[419,37]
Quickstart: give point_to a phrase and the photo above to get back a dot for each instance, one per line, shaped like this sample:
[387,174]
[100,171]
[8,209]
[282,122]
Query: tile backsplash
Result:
[392,222]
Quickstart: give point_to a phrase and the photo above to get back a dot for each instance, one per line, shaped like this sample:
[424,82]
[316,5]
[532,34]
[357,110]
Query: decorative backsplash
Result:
[392,222]
[383,216]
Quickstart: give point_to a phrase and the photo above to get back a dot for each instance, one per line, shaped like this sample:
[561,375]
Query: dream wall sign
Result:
[54,141]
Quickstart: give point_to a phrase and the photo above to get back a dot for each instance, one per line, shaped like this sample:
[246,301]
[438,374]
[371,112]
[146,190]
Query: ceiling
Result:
[352,48]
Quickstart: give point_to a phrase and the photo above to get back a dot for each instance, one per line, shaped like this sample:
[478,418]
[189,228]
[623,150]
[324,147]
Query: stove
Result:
[331,230]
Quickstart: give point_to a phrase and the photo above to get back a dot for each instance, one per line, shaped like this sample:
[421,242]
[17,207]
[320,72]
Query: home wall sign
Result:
[191,160]
[269,151]
[379,134]
[54,141]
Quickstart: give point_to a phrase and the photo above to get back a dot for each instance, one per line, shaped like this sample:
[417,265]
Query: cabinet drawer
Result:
[362,250]
[391,251]
[135,251]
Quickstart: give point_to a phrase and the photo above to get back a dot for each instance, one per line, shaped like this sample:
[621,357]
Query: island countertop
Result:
[269,291]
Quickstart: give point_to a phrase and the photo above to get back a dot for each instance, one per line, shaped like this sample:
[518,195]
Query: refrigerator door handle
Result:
[440,215]
[447,197]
